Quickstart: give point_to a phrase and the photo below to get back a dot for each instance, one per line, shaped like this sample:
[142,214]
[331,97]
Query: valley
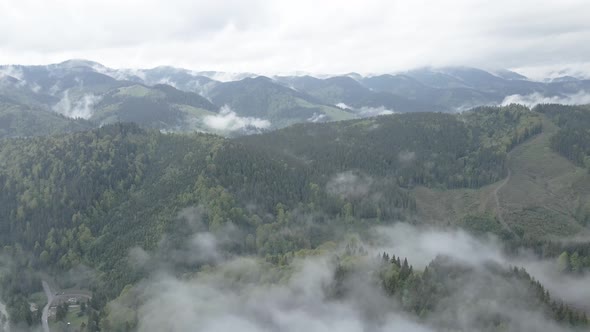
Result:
[288,166]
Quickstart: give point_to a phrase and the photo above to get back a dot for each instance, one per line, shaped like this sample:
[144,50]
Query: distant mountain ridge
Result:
[176,99]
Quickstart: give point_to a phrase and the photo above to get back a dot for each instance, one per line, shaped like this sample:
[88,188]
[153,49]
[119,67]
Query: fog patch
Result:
[366,112]
[349,185]
[6,265]
[225,76]
[120,74]
[167,81]
[82,108]
[343,106]
[203,89]
[228,120]
[571,288]
[197,244]
[470,106]
[138,258]
[80,277]
[36,88]
[551,72]
[533,99]
[236,297]
[12,71]
[4,319]
[405,157]
[422,245]
[248,294]
[10,75]
[318,117]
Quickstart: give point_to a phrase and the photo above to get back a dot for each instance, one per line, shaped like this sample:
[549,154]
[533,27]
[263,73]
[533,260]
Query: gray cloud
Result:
[318,117]
[343,106]
[530,100]
[4,324]
[82,107]
[69,24]
[406,156]
[571,288]
[12,71]
[276,36]
[421,245]
[228,120]
[235,297]
[349,185]
[248,294]
[365,111]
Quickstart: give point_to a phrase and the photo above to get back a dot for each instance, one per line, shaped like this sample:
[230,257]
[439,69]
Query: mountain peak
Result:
[73,63]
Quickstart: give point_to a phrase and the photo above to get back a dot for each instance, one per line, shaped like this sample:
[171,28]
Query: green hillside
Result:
[160,106]
[260,97]
[23,121]
[89,198]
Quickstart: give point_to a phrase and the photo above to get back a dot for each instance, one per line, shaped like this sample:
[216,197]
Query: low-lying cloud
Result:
[247,294]
[236,299]
[318,117]
[4,323]
[349,185]
[343,106]
[365,112]
[406,156]
[533,99]
[12,76]
[421,245]
[82,108]
[228,120]
[12,72]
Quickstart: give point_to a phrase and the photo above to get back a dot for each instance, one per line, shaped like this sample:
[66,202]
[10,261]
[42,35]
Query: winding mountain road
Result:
[45,315]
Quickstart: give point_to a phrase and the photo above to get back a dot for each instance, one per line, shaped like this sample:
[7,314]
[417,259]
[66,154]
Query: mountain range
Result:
[151,192]
[78,94]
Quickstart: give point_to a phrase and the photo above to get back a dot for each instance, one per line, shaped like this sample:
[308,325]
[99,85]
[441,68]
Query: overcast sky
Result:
[317,36]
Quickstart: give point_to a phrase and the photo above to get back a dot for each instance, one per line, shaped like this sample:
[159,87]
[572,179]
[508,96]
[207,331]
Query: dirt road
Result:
[45,315]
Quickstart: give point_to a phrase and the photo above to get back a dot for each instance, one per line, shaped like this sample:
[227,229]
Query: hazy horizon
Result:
[235,75]
[532,38]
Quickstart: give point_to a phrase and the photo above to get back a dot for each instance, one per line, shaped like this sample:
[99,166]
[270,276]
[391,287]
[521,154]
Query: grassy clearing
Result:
[138,91]
[337,114]
[72,317]
[334,113]
[194,111]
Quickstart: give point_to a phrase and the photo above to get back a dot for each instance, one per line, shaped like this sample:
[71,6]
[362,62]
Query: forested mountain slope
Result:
[159,106]
[260,97]
[573,138]
[90,198]
[433,149]
[181,100]
[348,92]
[21,121]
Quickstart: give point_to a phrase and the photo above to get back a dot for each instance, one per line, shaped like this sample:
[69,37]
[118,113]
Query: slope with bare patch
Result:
[539,199]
